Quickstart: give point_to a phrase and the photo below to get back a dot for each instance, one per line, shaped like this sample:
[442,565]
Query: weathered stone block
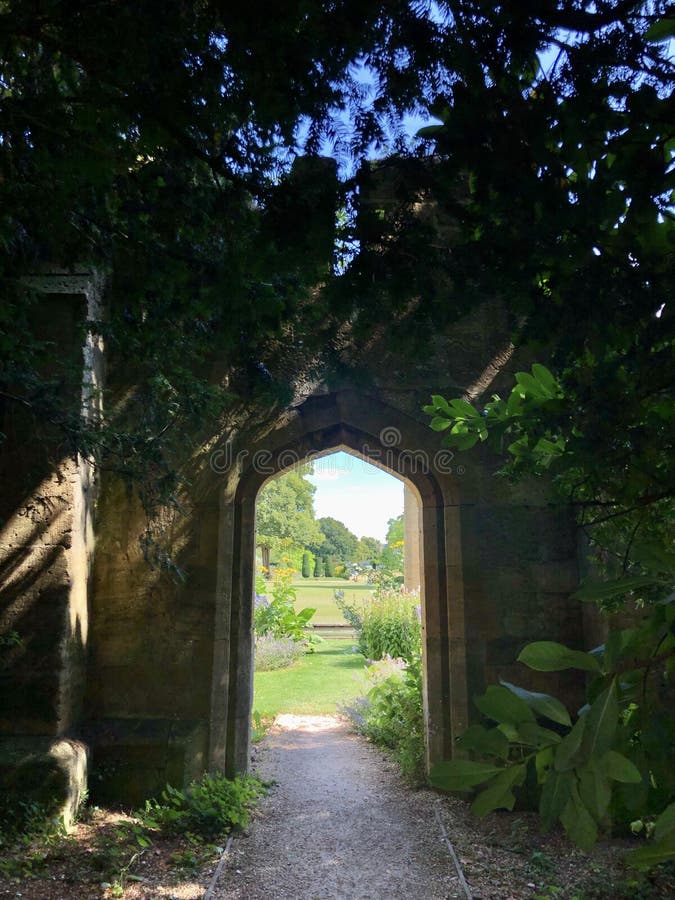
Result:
[51,773]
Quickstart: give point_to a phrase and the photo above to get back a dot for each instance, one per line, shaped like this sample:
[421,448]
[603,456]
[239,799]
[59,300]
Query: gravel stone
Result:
[338,823]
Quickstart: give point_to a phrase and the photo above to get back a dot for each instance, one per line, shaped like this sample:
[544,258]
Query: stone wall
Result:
[47,501]
[154,671]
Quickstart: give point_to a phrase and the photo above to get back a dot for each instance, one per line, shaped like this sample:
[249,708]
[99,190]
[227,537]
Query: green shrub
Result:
[318,567]
[211,806]
[278,616]
[389,624]
[328,567]
[306,564]
[391,714]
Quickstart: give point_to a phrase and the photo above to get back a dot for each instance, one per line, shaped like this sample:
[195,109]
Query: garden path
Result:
[338,823]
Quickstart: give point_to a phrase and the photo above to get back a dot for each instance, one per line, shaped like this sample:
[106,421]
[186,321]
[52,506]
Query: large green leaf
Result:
[498,794]
[545,379]
[605,590]
[531,386]
[653,854]
[601,722]
[461,774]
[462,440]
[534,735]
[549,656]
[438,423]
[578,822]
[616,643]
[486,741]
[503,705]
[568,750]
[542,704]
[555,795]
[618,768]
[543,763]
[665,824]
[464,409]
[594,789]
[439,403]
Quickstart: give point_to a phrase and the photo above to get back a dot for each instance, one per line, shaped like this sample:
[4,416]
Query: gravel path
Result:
[337,823]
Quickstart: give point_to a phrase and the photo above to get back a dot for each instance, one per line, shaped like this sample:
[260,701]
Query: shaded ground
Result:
[338,823]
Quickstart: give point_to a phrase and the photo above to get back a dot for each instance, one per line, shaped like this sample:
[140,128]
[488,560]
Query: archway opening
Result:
[337,606]
[397,443]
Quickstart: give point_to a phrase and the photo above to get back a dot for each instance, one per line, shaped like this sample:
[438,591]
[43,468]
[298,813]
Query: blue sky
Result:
[358,494]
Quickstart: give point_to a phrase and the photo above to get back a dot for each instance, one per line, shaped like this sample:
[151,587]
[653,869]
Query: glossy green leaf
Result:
[618,768]
[578,822]
[653,853]
[665,824]
[461,774]
[499,794]
[462,441]
[605,590]
[549,656]
[601,722]
[555,795]
[531,386]
[502,705]
[568,750]
[545,379]
[542,704]
[594,789]
[463,408]
[485,741]
[439,402]
[533,735]
[543,762]
[440,424]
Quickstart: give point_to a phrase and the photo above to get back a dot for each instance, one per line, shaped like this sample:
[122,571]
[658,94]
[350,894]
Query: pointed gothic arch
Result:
[388,438]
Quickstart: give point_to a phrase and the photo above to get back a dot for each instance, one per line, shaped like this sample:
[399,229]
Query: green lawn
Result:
[318,592]
[315,685]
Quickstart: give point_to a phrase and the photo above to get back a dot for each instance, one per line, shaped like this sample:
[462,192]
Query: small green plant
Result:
[211,806]
[11,639]
[273,652]
[259,727]
[278,616]
[541,862]
[391,714]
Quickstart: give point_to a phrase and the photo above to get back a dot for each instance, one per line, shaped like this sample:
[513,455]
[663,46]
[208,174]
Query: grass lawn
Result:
[314,685]
[318,592]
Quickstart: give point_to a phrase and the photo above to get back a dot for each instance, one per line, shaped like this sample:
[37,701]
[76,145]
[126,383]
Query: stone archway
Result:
[386,437]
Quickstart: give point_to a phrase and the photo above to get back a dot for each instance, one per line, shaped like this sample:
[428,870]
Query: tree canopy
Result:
[160,150]
[369,550]
[339,542]
[285,515]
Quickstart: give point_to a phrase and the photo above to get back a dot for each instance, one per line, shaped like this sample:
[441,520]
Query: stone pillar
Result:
[46,545]
[412,540]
